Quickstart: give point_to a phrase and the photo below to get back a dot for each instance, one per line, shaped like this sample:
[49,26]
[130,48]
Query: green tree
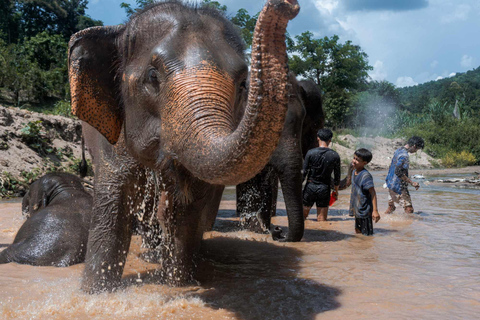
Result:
[35,69]
[9,21]
[339,69]
[246,23]
[20,75]
[140,5]
[215,5]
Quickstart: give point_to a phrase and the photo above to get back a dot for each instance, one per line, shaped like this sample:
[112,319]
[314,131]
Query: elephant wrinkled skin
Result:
[58,211]
[257,198]
[164,93]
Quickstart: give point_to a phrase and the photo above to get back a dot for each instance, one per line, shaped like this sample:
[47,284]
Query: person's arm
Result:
[375,214]
[401,172]
[305,166]
[347,181]
[336,176]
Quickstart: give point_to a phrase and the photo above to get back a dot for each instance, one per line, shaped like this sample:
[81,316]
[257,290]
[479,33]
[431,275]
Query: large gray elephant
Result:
[257,198]
[58,211]
[163,92]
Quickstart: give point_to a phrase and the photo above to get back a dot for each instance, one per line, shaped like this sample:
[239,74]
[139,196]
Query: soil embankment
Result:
[382,150]
[32,144]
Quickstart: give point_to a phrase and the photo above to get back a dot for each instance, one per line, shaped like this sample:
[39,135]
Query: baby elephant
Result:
[58,211]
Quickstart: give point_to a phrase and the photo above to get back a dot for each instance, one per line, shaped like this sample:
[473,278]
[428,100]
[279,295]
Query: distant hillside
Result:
[463,87]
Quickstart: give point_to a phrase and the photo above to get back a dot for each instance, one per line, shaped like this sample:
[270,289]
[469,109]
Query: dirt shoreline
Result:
[55,145]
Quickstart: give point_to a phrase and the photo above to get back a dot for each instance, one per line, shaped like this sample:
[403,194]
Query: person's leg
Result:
[308,195]
[306,211]
[322,201]
[407,201]
[392,198]
[322,213]
[358,226]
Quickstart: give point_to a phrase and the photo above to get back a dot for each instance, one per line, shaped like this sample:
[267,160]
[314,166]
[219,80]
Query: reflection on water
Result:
[424,266]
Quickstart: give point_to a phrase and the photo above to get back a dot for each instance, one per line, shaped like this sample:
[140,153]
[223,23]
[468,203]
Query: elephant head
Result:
[171,78]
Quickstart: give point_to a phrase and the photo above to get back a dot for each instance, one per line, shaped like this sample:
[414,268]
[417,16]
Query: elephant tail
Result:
[83,167]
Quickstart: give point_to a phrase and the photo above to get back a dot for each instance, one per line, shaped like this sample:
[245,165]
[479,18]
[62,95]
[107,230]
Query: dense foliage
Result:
[33,48]
[462,89]
[446,113]
[340,69]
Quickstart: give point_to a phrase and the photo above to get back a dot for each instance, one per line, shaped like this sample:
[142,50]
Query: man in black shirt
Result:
[317,168]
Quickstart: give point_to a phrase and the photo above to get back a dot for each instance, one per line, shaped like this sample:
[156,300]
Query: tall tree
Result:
[21,19]
[246,23]
[339,69]
[140,5]
[215,5]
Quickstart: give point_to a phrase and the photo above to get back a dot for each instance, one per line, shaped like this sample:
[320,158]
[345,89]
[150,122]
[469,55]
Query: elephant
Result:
[163,92]
[257,198]
[58,211]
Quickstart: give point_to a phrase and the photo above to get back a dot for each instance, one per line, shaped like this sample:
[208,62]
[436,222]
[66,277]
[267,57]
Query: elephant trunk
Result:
[210,145]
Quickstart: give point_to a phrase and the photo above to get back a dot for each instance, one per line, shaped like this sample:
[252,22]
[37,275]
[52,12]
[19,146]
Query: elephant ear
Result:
[92,69]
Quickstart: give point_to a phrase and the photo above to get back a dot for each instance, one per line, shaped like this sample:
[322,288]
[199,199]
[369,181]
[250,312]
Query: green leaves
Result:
[339,69]
[246,23]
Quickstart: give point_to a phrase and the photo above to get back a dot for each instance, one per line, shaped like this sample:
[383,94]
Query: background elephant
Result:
[163,93]
[58,211]
[257,198]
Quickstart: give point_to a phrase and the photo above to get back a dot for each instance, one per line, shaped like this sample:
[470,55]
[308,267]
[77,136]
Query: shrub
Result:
[34,137]
[449,136]
[459,159]
[62,108]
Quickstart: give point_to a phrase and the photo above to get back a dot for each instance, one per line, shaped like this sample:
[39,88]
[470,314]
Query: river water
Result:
[423,266]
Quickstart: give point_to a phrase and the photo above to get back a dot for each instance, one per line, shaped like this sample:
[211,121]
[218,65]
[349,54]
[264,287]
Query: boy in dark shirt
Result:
[363,201]
[317,168]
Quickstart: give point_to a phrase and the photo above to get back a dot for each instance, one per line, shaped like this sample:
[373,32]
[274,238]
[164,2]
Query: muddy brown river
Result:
[420,266]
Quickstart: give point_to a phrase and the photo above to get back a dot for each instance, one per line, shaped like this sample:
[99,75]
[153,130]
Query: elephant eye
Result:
[153,75]
[243,84]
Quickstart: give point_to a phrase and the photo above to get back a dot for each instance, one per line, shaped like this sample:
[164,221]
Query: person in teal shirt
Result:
[363,199]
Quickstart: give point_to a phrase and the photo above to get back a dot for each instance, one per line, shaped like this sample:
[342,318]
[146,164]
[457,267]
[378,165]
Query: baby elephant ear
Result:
[92,68]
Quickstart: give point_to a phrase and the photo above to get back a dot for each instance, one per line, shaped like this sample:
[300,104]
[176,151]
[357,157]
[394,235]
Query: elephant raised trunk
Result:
[214,151]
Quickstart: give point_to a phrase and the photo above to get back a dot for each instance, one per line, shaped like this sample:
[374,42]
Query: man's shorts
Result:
[316,193]
[403,199]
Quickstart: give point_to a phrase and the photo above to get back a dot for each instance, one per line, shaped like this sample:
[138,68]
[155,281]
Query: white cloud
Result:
[439,78]
[326,5]
[467,61]
[378,73]
[405,82]
[452,74]
[434,64]
[459,14]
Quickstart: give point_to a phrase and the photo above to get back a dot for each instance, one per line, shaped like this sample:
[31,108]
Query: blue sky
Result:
[407,41]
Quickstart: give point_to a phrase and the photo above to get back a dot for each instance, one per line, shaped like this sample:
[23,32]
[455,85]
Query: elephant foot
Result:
[277,234]
[152,256]
[177,272]
[92,286]
[254,222]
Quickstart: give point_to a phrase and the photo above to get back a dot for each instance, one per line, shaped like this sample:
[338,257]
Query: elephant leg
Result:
[110,229]
[108,243]
[183,226]
[274,192]
[255,201]
[269,192]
